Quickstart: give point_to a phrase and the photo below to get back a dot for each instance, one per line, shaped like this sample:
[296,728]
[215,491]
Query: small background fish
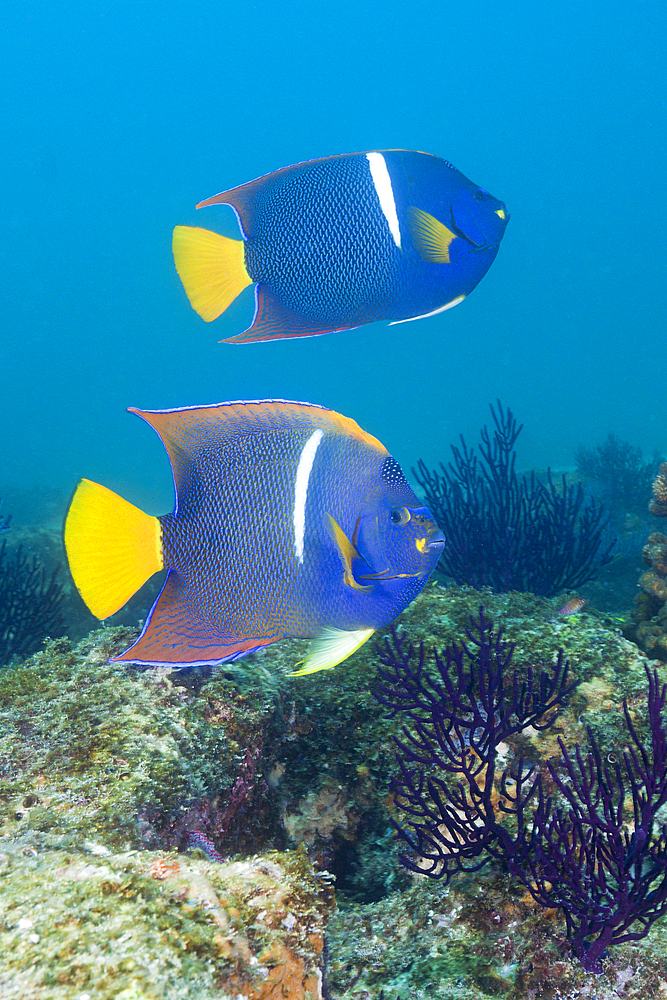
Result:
[342,241]
[289,521]
[572,607]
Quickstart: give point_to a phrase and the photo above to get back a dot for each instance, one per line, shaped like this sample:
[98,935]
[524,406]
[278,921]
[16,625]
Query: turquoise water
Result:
[117,119]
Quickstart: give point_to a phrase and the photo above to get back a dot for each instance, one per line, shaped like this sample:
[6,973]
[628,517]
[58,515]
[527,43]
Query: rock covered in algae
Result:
[98,757]
[155,926]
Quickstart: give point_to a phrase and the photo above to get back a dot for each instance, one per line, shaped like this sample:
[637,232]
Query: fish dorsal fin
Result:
[431,238]
[185,432]
[246,198]
[330,647]
[347,551]
[171,637]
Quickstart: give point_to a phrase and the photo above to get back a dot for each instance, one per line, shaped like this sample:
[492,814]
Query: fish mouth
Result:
[433,542]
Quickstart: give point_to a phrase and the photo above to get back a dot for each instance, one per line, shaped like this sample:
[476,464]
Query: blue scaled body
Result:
[336,243]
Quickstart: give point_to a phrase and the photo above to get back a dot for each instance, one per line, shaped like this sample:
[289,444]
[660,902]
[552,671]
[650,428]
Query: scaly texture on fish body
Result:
[343,241]
[289,521]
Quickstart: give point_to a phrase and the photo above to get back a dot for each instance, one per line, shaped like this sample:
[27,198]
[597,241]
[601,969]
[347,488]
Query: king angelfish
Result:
[335,243]
[289,521]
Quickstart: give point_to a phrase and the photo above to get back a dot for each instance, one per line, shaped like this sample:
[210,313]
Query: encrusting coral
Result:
[658,505]
[649,616]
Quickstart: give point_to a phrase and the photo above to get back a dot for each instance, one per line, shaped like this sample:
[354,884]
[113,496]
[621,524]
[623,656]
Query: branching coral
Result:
[459,717]
[511,532]
[576,848]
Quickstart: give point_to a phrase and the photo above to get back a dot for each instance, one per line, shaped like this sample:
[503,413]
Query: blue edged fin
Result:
[330,647]
[245,198]
[184,432]
[172,636]
[275,321]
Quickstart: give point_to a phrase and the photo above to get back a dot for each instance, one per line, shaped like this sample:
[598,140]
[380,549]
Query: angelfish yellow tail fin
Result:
[112,547]
[211,267]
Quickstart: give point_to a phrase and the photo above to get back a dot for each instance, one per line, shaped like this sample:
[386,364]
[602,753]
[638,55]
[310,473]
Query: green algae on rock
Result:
[103,766]
[147,926]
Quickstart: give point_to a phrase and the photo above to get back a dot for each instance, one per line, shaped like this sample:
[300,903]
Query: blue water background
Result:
[116,119]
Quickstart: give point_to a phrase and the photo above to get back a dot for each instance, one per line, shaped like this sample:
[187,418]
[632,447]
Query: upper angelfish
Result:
[289,521]
[334,243]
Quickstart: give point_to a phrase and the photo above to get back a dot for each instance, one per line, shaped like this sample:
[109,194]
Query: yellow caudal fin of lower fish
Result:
[211,267]
[112,547]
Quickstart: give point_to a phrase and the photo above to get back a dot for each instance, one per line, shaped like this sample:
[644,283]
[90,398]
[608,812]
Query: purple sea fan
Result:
[578,850]
[459,714]
[509,531]
[607,874]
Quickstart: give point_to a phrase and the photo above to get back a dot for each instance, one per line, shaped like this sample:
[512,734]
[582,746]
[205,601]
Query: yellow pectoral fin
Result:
[330,647]
[430,237]
[112,547]
[211,267]
[347,551]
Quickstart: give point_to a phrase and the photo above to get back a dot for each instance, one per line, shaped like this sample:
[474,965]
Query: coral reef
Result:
[457,713]
[648,626]
[512,532]
[658,505]
[579,836]
[151,774]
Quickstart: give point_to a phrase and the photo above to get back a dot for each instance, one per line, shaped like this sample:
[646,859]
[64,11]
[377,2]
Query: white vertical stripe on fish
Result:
[385,193]
[303,470]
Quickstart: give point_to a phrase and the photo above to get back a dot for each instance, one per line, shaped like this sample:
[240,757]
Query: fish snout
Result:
[436,541]
[433,540]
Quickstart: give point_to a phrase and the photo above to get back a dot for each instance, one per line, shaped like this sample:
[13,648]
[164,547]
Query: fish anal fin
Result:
[173,636]
[275,321]
[211,267]
[430,237]
[330,647]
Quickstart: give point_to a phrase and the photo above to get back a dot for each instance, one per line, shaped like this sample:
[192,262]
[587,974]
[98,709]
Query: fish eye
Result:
[400,515]
[479,195]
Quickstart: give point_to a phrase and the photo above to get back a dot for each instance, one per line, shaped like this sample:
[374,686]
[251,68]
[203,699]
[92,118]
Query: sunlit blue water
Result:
[117,119]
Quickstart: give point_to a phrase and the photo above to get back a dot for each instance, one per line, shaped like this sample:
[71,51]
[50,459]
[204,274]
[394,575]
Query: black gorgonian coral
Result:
[31,604]
[588,850]
[511,532]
